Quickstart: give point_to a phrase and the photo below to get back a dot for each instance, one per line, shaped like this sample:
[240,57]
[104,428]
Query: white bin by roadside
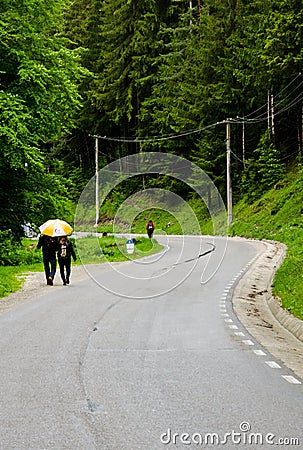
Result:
[130,246]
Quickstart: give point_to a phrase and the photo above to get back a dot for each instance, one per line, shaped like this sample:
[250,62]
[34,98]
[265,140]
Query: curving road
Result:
[145,355]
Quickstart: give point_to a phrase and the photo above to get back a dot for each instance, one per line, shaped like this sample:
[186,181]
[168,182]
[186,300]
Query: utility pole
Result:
[228,177]
[268,110]
[97,180]
[272,114]
[190,7]
[243,142]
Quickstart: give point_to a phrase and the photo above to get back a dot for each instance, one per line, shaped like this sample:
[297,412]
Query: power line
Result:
[262,117]
[158,138]
[277,95]
[241,120]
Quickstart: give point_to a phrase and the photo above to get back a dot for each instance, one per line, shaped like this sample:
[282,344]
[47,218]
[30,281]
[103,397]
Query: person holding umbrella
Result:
[48,241]
[49,247]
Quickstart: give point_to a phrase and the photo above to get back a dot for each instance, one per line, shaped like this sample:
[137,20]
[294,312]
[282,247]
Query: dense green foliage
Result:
[39,98]
[12,254]
[163,75]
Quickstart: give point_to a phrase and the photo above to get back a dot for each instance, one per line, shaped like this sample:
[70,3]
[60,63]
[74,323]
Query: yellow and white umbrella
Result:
[55,227]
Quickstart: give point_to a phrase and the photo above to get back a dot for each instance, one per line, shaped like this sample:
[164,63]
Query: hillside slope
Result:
[278,215]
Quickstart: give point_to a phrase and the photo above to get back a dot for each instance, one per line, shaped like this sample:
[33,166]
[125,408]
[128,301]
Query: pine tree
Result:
[123,69]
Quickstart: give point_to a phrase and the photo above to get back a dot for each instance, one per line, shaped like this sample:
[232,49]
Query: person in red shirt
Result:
[150,228]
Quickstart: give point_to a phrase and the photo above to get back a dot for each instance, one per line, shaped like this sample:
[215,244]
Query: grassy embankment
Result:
[278,216]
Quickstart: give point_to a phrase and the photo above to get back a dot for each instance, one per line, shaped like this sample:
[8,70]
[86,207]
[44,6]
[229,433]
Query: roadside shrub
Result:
[12,253]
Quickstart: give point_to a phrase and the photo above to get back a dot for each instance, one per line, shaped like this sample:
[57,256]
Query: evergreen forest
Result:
[150,75]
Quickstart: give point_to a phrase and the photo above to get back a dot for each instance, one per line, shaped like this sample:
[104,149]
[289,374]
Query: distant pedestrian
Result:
[49,247]
[150,228]
[65,254]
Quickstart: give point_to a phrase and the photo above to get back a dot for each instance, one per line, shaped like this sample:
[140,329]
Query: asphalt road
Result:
[145,355]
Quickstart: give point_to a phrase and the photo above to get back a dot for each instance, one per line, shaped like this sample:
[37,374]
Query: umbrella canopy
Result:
[55,227]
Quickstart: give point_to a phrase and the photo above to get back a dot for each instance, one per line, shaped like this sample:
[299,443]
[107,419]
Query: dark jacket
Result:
[49,246]
[66,251]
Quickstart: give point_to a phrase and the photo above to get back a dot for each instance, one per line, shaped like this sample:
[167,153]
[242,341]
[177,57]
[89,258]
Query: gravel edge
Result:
[261,313]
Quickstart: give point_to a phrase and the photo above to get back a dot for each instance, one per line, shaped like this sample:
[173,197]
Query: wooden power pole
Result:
[228,175]
[97,180]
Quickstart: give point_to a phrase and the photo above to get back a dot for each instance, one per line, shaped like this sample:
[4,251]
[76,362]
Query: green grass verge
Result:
[94,250]
[12,277]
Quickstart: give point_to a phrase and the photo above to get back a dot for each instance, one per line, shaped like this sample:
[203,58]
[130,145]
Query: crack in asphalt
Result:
[195,258]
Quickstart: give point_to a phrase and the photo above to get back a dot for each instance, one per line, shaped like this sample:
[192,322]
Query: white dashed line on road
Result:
[291,379]
[248,342]
[259,352]
[273,364]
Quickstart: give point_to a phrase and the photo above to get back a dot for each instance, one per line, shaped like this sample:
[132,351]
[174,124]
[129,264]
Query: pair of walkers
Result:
[53,247]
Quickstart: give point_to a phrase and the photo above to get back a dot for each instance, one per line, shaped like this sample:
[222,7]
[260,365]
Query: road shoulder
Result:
[260,312]
[34,286]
